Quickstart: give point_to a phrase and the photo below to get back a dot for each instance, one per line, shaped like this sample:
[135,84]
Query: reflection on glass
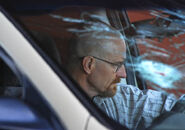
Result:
[160,36]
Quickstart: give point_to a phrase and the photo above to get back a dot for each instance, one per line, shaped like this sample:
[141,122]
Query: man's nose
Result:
[121,73]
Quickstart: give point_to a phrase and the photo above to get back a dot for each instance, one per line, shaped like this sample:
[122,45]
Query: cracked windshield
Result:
[154,40]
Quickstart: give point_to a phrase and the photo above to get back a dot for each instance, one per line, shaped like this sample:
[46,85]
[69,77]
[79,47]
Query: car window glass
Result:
[160,37]
[159,40]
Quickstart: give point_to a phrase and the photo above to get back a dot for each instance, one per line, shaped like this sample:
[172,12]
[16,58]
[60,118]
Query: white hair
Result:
[92,43]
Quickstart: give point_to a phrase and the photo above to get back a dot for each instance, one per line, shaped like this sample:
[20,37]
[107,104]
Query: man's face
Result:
[105,76]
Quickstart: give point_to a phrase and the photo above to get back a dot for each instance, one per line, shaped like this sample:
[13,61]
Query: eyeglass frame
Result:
[119,65]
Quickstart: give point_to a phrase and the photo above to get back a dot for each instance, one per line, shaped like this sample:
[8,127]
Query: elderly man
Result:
[96,63]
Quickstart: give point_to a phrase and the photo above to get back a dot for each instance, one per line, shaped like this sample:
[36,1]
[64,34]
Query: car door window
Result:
[48,29]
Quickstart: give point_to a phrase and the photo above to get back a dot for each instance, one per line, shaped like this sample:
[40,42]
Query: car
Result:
[37,93]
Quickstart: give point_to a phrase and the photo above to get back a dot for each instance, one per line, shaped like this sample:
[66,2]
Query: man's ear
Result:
[88,64]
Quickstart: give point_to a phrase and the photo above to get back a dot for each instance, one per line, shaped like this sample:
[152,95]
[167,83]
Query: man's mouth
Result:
[114,83]
[117,80]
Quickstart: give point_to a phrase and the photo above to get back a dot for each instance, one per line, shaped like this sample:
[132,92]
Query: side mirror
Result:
[15,114]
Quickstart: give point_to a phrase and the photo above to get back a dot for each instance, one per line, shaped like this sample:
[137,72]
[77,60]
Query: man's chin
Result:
[110,92]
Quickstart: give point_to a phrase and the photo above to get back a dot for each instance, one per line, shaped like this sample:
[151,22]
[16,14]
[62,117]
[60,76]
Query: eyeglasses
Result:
[117,65]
